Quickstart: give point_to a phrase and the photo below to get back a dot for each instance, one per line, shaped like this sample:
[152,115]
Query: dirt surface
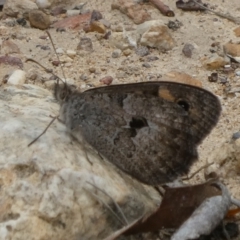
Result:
[200,29]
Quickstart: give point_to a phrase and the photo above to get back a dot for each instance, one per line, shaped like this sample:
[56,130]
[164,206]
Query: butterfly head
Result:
[62,92]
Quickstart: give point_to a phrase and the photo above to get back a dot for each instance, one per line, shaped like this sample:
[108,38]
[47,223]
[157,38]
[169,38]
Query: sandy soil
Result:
[199,29]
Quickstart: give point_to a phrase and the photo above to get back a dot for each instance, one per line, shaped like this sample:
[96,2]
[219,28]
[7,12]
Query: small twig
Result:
[200,169]
[164,9]
[235,202]
[54,118]
[116,205]
[227,16]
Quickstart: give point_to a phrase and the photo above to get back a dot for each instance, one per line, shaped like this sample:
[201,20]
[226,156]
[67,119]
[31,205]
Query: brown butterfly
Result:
[149,130]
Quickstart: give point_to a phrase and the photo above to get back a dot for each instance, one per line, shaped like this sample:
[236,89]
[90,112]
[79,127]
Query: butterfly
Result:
[149,130]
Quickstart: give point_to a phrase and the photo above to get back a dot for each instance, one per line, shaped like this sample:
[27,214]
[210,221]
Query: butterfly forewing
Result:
[149,130]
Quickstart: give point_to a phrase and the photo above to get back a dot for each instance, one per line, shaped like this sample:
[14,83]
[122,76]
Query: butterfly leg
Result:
[53,119]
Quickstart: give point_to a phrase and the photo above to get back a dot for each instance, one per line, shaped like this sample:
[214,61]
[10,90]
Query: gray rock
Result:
[45,191]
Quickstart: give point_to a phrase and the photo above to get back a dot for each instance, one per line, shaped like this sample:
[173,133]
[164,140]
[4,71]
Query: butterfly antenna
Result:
[49,35]
[46,69]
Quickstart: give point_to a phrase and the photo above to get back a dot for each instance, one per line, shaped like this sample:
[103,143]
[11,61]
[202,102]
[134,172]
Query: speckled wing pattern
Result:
[149,130]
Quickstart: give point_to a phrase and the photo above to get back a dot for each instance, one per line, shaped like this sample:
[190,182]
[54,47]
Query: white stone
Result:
[155,34]
[65,59]
[18,77]
[45,191]
[71,13]
[123,40]
[144,27]
[42,4]
[71,53]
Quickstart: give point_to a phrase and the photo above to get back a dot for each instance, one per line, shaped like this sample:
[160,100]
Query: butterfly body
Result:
[149,130]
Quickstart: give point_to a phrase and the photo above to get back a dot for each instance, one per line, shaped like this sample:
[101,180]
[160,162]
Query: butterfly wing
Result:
[149,130]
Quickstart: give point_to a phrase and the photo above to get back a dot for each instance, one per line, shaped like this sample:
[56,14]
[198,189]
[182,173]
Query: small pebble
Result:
[103,69]
[42,4]
[227,66]
[105,23]
[187,50]
[106,80]
[215,62]
[146,65]
[32,76]
[61,29]
[71,53]
[12,61]
[96,15]
[79,6]
[95,26]
[223,79]
[68,64]
[60,51]
[43,37]
[71,13]
[39,19]
[127,52]
[44,47]
[92,70]
[174,25]
[65,59]
[5,79]
[18,77]
[213,77]
[238,73]
[58,10]
[84,77]
[85,44]
[116,53]
[142,51]
[107,35]
[55,63]
[236,135]
[151,58]
[22,21]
